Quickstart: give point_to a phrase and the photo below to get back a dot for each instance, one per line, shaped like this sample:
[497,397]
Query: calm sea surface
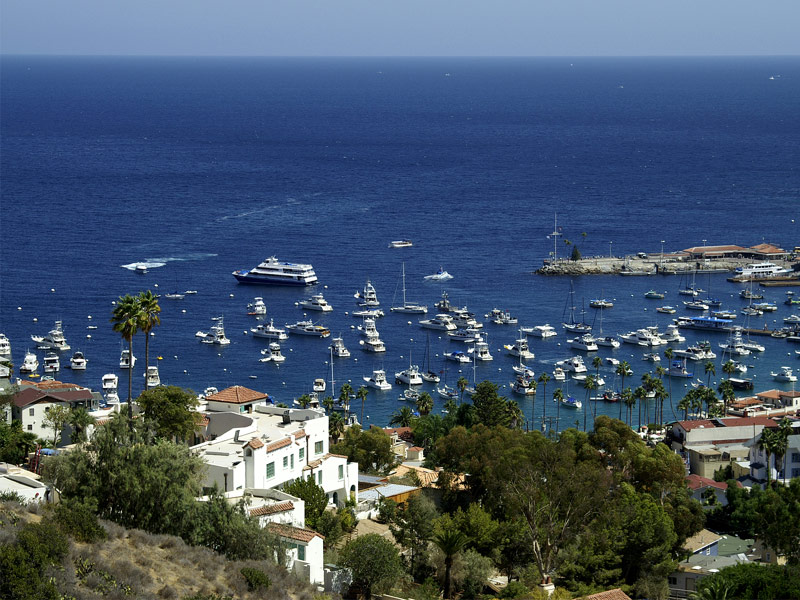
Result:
[204,166]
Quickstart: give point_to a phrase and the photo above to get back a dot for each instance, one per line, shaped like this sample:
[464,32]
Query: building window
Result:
[31,412]
[796,457]
[672,580]
[319,477]
[270,470]
[795,472]
[301,552]
[30,427]
[317,447]
[302,454]
[285,462]
[293,461]
[341,471]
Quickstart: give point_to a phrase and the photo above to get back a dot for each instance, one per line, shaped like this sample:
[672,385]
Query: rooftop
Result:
[237,394]
[293,533]
[701,540]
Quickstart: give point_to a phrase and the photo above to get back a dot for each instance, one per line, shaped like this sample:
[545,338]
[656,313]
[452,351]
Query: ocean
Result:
[200,166]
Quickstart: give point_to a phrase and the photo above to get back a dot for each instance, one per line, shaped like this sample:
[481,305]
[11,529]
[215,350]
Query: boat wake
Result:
[154,263]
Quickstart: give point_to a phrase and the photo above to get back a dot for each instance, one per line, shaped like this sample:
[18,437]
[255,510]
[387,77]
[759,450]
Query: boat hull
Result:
[246,277]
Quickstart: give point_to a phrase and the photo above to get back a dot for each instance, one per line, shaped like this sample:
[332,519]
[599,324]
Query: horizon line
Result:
[393,56]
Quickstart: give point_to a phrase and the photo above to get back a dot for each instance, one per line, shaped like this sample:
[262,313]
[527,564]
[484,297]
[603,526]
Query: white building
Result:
[23,483]
[788,468]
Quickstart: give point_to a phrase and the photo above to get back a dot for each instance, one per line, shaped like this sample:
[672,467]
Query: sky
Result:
[400,27]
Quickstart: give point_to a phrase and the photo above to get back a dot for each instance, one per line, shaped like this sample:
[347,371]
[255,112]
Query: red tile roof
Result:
[271,509]
[695,482]
[616,594]
[713,249]
[237,394]
[300,434]
[31,395]
[293,533]
[279,444]
[776,394]
[689,425]
[768,249]
[255,443]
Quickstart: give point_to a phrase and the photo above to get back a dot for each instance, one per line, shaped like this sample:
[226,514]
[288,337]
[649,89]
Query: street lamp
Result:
[609,250]
[662,255]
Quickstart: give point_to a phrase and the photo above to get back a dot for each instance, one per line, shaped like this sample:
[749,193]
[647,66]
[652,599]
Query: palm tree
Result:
[729,368]
[543,379]
[640,395]
[647,385]
[424,403]
[304,401]
[767,443]
[623,368]
[710,370]
[781,443]
[628,400]
[362,394]
[344,393]
[328,403]
[661,371]
[558,396]
[450,406]
[596,363]
[725,390]
[403,417]
[461,384]
[684,405]
[588,385]
[697,403]
[450,542]
[514,413]
[79,419]
[148,316]
[335,426]
[668,354]
[127,320]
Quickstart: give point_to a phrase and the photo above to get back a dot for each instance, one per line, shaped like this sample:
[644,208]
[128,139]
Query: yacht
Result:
[29,364]
[366,313]
[126,361]
[368,328]
[443,305]
[276,272]
[748,294]
[673,335]
[766,306]
[724,314]
[559,374]
[408,307]
[598,380]
[751,312]
[607,341]
[574,364]
[78,362]
[308,328]
[378,380]
[174,296]
[735,344]
[319,385]
[5,345]
[763,270]
[440,321]
[480,350]
[699,351]
[51,363]
[110,382]
[373,344]
[440,275]
[678,369]
[112,397]
[570,402]
[152,376]
[522,385]
[431,377]
[272,353]
[540,331]
[612,361]
[462,318]
[338,348]
[753,346]
[520,348]
[447,392]
[468,335]
[601,303]
[667,310]
[141,269]
[695,305]
[458,356]
[410,395]
[316,302]
[257,307]
[400,244]
[215,335]
[269,331]
[524,370]
[792,319]
[642,337]
[651,357]
[54,340]
[368,297]
[409,376]
[654,295]
[501,317]
[784,374]
[585,342]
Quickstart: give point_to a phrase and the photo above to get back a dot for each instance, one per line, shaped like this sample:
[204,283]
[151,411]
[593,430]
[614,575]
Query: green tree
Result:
[149,311]
[79,420]
[725,390]
[328,404]
[313,495]
[413,528]
[576,254]
[710,369]
[424,404]
[514,412]
[171,411]
[490,407]
[374,562]
[362,394]
[56,416]
[588,385]
[558,397]
[623,368]
[404,417]
[15,444]
[335,426]
[344,394]
[461,384]
[544,378]
[371,449]
[127,320]
[450,542]
[750,580]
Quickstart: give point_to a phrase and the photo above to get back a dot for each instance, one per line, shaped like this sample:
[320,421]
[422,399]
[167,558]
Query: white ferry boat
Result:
[275,272]
[761,270]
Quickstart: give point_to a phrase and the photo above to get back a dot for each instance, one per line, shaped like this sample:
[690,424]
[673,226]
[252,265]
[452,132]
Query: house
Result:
[238,399]
[788,468]
[701,487]
[615,594]
[14,480]
[770,403]
[683,582]
[305,551]
[704,542]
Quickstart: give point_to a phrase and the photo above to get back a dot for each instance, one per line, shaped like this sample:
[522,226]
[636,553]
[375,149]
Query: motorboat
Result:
[689,291]
[523,385]
[751,312]
[607,341]
[110,381]
[308,328]
[570,402]
[215,335]
[607,396]
[678,369]
[520,349]
[338,348]
[257,307]
[368,313]
[440,321]
[696,305]
[126,361]
[141,269]
[784,374]
[458,356]
[409,376]
[51,363]
[152,377]
[642,337]
[316,302]
[724,314]
[749,294]
[540,331]
[54,340]
[447,392]
[30,363]
[400,244]
[601,303]
[468,335]
[5,345]
[462,318]
[377,380]
[792,319]
[598,379]
[408,307]
[319,385]
[373,344]
[78,361]
[368,297]
[739,367]
[585,342]
[272,353]
[667,310]
[269,331]
[574,364]
[654,295]
[276,272]
[112,397]
[753,346]
[651,357]
[440,275]
[699,351]
[410,395]
[368,328]
[501,317]
[443,305]
[672,335]
[428,374]
[735,344]
[523,369]
[480,350]
[559,374]
[174,296]
[766,306]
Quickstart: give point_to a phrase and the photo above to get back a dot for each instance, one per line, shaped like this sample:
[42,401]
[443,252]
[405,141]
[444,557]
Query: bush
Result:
[78,519]
[23,564]
[256,579]
[514,589]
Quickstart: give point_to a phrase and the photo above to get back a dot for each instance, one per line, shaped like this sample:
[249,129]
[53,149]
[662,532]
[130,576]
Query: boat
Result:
[699,351]
[792,319]
[410,395]
[276,272]
[464,335]
[319,385]
[570,402]
[54,340]
[440,321]
[601,303]
[723,314]
[408,307]
[762,270]
[739,383]
[190,292]
[5,345]
[272,353]
[447,392]
[585,342]
[308,328]
[765,306]
[540,331]
[368,297]
[51,363]
[696,305]
[749,294]
[151,377]
[501,317]
[400,244]
[559,374]
[643,337]
[458,356]
[667,310]
[654,295]
[572,325]
[735,344]
[110,381]
[429,374]
[704,323]
[257,307]
[174,296]
[612,361]
[784,374]
[607,396]
[141,269]
[316,302]
[462,318]
[480,350]
[338,348]
[215,335]
[377,380]
[598,380]
[673,335]
[78,361]
[368,328]
[126,361]
[523,385]
[269,331]
[440,275]
[651,357]
[573,364]
[368,313]
[373,344]
[678,369]
[409,376]
[520,348]
[607,341]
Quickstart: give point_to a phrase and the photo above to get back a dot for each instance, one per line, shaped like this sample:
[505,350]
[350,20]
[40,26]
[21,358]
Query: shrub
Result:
[79,519]
[256,579]
[514,589]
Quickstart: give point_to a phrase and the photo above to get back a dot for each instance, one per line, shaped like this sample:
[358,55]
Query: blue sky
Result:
[400,27]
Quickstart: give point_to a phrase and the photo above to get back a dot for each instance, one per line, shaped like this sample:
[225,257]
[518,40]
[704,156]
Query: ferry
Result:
[275,272]
[761,270]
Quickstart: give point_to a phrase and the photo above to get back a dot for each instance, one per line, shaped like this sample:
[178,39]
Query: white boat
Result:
[751,312]
[444,305]
[601,303]
[447,392]
[152,377]
[598,380]
[654,295]
[784,374]
[275,272]
[572,325]
[753,346]
[141,269]
[54,340]
[651,357]
[462,318]
[319,385]
[440,275]
[699,351]
[573,363]
[272,353]
[468,335]
[570,402]
[440,321]
[678,369]
[5,345]
[458,356]
[30,363]
[373,344]
[480,350]
[174,296]
[501,317]
[126,361]
[78,361]
[215,335]
[428,374]
[269,331]
[520,349]
[410,395]
[763,270]
[308,328]
[612,361]
[409,376]
[368,328]
[316,302]
[522,385]
[585,342]
[524,370]
[257,307]
[695,305]
[540,331]
[51,363]
[765,306]
[400,244]
[338,348]
[378,380]
[110,382]
[792,319]
[724,314]
[408,307]
[642,337]
[667,310]
[607,341]
[735,344]
[559,374]
[368,313]
[368,297]
[112,397]
[749,294]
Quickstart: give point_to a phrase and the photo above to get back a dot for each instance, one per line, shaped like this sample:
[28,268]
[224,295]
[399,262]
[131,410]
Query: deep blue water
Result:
[209,165]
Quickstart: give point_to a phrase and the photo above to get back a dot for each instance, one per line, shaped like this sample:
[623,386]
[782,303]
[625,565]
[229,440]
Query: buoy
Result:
[19,308]
[155,285]
[160,358]
[53,290]
[35,319]
[185,371]
[89,317]
[231,296]
[184,310]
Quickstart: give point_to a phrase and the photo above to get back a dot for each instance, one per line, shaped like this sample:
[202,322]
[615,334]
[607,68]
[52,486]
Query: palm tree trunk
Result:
[146,354]
[544,404]
[448,563]
[130,378]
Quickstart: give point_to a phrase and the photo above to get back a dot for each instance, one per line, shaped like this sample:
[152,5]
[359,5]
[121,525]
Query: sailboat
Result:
[573,325]
[428,374]
[690,289]
[408,307]
[605,340]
